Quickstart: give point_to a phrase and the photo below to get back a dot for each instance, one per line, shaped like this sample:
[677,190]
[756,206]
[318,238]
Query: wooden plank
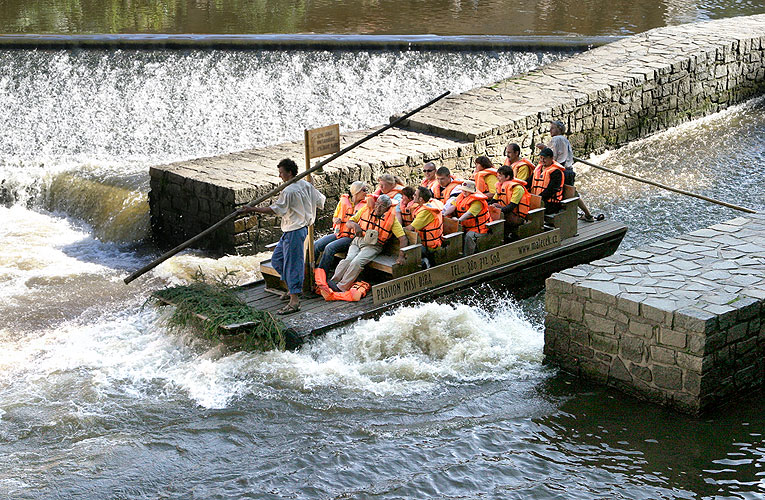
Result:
[464,267]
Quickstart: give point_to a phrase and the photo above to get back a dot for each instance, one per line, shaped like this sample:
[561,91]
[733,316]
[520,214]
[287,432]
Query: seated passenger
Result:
[512,197]
[485,176]
[548,181]
[472,212]
[428,221]
[390,185]
[373,228]
[341,237]
[447,185]
[429,175]
[523,168]
[406,208]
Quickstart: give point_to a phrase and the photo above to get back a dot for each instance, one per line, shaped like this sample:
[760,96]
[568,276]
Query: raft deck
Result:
[594,240]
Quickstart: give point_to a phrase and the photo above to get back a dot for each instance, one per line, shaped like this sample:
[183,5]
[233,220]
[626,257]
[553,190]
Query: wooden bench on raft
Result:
[384,262]
[493,238]
[534,223]
[566,219]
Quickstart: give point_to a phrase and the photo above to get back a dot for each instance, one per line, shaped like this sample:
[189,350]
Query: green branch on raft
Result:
[212,303]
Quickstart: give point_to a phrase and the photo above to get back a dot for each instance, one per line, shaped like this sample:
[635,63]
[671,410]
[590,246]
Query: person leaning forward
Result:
[296,205]
[341,236]
[373,228]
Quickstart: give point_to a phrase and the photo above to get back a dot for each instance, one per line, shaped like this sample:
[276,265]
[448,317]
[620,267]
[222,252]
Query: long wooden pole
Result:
[274,191]
[669,188]
[308,281]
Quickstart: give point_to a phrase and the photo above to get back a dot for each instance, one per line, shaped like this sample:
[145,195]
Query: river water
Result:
[372,17]
[99,399]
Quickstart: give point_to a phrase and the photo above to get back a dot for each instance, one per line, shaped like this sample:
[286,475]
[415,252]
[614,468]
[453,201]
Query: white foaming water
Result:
[126,110]
[413,349]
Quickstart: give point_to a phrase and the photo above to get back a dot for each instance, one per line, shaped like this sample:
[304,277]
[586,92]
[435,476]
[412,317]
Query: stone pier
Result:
[680,322]
[607,96]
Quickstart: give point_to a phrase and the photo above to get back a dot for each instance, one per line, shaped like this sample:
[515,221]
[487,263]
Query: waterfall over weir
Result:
[106,116]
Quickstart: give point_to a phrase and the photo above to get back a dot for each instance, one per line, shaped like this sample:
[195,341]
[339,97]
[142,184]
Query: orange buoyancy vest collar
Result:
[443,193]
[347,210]
[431,234]
[481,185]
[505,194]
[393,192]
[517,165]
[476,224]
[542,180]
[383,225]
[408,212]
[429,184]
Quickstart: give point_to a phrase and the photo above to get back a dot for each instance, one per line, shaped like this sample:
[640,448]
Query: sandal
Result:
[600,217]
[284,296]
[586,218]
[288,309]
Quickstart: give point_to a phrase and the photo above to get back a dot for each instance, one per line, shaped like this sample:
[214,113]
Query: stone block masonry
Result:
[680,322]
[607,96]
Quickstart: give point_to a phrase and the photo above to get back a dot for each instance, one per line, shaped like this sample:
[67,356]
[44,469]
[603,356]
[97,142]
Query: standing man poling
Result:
[296,205]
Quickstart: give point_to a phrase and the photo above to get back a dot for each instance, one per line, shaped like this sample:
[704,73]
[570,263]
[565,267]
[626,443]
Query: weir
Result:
[607,96]
[680,322]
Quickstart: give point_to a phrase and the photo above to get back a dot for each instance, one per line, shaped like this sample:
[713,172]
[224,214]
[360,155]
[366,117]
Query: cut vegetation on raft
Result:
[212,305]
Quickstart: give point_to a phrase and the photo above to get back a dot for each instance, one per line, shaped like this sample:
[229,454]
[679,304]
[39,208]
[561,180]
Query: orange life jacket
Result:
[429,184]
[542,180]
[383,225]
[431,234]
[346,212]
[505,193]
[442,193]
[481,185]
[356,293]
[475,224]
[517,165]
[408,212]
[393,192]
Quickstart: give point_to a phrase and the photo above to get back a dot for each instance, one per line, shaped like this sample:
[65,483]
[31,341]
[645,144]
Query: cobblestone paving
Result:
[680,322]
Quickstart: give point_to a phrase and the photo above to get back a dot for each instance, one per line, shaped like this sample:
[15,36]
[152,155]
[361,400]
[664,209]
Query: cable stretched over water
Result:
[669,188]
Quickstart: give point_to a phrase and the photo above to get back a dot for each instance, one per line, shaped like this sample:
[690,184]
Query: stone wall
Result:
[607,96]
[680,322]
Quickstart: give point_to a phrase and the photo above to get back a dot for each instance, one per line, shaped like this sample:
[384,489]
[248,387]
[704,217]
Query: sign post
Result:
[318,142]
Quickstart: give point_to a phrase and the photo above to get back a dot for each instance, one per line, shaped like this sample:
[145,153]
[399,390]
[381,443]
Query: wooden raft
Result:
[593,240]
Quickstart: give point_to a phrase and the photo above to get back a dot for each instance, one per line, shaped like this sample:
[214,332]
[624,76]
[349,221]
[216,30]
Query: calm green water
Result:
[377,17]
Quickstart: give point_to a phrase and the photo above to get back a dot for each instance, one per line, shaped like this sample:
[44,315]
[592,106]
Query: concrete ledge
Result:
[607,96]
[680,322]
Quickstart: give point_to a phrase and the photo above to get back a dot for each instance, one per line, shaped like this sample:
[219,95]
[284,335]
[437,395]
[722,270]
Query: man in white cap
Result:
[373,228]
[472,211]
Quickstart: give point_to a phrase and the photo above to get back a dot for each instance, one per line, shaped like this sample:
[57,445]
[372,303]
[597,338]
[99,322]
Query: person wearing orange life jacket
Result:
[341,237]
[512,197]
[406,207]
[548,181]
[523,168]
[428,222]
[391,185]
[472,211]
[429,175]
[447,187]
[373,228]
[485,176]
[564,155]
